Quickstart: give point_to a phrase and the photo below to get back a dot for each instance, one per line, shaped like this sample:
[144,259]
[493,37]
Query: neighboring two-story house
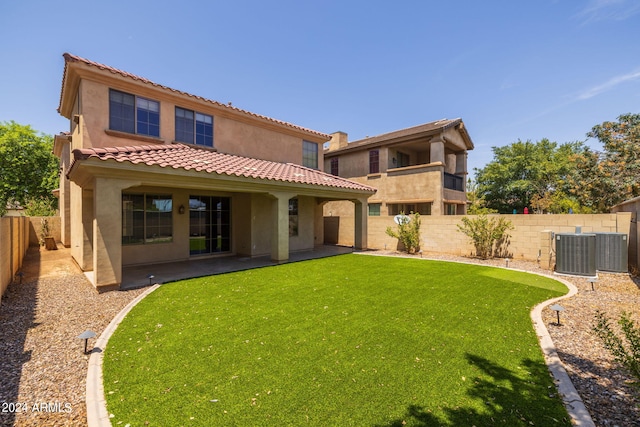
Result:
[419,169]
[151,174]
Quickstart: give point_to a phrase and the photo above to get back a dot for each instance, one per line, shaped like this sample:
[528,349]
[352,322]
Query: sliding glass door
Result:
[209,224]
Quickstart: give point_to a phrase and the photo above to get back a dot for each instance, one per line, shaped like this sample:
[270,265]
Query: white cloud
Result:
[601,10]
[608,85]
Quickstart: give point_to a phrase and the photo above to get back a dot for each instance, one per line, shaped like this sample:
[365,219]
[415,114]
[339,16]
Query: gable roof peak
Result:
[74,59]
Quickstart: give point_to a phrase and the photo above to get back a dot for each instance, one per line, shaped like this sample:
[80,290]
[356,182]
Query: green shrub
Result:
[486,233]
[626,354]
[408,233]
[40,206]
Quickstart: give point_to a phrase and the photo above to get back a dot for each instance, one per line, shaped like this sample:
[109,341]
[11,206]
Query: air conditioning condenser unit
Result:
[612,252]
[576,254]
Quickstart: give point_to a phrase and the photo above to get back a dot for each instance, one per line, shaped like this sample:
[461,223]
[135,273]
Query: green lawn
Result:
[350,340]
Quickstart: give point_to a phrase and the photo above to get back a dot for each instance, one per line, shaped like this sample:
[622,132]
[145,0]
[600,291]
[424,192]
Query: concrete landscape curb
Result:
[97,414]
[570,397]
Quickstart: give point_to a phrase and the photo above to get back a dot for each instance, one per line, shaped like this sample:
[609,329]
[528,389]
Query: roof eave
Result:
[401,136]
[83,170]
[77,68]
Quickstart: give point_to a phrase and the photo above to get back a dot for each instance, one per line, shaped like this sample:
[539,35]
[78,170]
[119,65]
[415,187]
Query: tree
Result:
[28,167]
[603,179]
[526,171]
[477,205]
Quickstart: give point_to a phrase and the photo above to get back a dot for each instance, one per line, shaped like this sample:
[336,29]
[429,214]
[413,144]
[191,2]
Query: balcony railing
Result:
[453,182]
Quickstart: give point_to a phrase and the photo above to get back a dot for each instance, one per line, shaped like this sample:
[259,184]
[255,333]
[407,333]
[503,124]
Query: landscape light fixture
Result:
[150,277]
[592,280]
[85,336]
[507,261]
[20,275]
[557,308]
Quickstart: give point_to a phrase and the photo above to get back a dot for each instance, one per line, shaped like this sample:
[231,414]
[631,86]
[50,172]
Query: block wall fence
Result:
[530,239]
[14,241]
[17,233]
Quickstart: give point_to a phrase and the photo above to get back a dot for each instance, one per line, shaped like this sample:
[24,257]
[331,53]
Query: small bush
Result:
[40,206]
[627,354]
[408,233]
[485,232]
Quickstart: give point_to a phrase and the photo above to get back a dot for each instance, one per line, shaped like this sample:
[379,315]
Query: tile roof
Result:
[186,157]
[69,58]
[426,128]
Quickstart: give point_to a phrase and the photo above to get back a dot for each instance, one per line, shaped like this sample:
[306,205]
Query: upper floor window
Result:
[374,161]
[310,154]
[133,114]
[334,166]
[193,127]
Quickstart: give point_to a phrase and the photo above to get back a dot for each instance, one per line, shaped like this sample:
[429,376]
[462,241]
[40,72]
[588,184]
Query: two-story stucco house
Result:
[419,169]
[151,174]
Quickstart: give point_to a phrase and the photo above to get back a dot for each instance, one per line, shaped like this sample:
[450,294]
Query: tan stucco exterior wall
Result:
[413,184]
[250,222]
[92,197]
[230,136]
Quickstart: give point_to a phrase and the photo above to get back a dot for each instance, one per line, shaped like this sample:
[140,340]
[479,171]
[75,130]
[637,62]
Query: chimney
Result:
[338,140]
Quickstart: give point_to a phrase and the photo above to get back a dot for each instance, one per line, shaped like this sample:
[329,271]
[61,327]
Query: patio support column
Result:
[360,226]
[280,226]
[438,156]
[437,150]
[107,231]
[81,219]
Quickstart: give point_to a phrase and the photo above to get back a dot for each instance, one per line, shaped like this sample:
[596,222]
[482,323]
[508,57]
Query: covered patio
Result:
[144,275]
[179,207]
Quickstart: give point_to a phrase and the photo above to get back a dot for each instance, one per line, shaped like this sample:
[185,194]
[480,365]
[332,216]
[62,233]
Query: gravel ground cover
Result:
[43,369]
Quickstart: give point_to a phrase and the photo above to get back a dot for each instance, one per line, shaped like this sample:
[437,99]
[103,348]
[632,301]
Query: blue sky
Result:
[510,69]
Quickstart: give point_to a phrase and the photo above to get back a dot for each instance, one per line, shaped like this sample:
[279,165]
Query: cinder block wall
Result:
[35,229]
[14,241]
[440,233]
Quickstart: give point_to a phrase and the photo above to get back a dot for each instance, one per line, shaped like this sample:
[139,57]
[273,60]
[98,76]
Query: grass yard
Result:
[349,340]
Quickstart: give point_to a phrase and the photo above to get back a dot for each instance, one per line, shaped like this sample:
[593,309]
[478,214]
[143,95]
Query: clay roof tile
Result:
[181,156]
